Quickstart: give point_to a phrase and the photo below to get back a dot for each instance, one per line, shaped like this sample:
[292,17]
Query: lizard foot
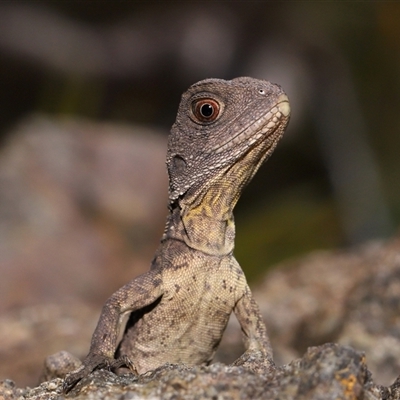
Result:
[256,361]
[93,362]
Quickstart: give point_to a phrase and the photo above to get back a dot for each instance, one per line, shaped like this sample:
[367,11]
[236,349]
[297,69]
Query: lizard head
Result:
[224,129]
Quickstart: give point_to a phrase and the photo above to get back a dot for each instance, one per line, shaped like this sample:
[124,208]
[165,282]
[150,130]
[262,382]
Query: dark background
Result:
[333,180]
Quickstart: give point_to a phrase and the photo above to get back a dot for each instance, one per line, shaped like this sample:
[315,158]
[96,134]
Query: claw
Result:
[70,381]
[90,364]
[256,361]
[93,362]
[127,361]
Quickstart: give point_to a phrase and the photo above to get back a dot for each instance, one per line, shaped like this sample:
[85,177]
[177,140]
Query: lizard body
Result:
[178,310]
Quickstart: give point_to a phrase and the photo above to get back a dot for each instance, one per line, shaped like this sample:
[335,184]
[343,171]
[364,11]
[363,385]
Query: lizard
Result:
[179,309]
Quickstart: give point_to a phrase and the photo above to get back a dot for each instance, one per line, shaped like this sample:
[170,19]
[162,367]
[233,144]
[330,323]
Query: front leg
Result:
[139,293]
[258,354]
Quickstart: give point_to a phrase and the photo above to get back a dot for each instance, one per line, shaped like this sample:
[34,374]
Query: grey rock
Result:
[351,297]
[77,198]
[323,373]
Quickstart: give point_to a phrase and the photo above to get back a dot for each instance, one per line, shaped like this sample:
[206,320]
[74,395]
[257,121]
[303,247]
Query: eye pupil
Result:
[206,110]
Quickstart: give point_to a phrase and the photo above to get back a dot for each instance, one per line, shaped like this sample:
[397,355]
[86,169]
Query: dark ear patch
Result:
[178,164]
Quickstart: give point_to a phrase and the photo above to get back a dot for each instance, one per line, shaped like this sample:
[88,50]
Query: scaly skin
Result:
[178,311]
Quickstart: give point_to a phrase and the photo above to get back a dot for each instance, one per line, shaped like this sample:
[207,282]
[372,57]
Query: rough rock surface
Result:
[326,372]
[77,198]
[30,334]
[349,297]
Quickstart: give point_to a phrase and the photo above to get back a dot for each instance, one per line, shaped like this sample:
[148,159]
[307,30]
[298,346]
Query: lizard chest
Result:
[187,322]
[199,294]
[203,284]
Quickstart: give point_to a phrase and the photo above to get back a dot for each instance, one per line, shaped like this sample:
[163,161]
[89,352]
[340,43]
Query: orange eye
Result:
[206,110]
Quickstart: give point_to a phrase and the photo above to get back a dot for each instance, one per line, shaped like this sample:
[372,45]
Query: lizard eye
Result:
[206,110]
[261,91]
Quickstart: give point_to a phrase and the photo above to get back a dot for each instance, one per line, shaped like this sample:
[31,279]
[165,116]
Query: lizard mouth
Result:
[262,128]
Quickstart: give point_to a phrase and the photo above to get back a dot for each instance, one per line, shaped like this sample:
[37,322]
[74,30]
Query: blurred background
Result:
[89,91]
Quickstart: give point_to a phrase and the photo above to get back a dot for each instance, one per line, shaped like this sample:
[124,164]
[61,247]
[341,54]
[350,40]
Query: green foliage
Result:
[294,222]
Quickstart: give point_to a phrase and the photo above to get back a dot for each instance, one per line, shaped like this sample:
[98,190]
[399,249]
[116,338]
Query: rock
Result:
[58,365]
[325,372]
[80,209]
[30,334]
[350,297]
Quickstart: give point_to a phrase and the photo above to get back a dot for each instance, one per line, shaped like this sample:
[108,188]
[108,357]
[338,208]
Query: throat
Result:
[206,224]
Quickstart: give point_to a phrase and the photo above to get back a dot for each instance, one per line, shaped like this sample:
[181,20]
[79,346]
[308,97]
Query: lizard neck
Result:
[204,219]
